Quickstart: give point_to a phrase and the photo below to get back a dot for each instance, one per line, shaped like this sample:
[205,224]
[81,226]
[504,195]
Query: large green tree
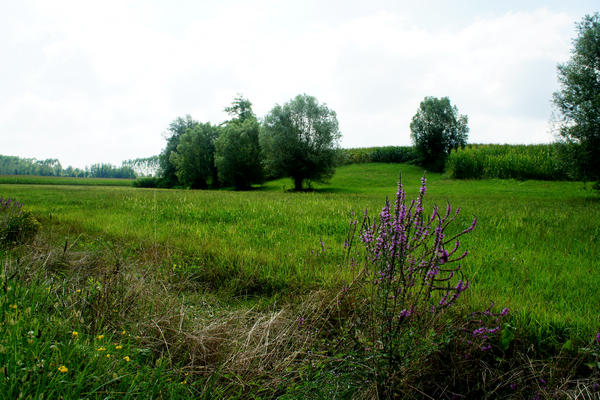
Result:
[237,150]
[194,158]
[300,140]
[436,129]
[578,100]
[168,170]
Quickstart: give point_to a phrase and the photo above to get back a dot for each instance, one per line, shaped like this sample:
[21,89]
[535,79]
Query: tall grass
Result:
[521,162]
[209,294]
[534,249]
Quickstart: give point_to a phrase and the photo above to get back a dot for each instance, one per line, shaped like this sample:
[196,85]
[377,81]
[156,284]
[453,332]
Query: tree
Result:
[240,110]
[436,129]
[300,140]
[168,170]
[194,158]
[578,101]
[237,150]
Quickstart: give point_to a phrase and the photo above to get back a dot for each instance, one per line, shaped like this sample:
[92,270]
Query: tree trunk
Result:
[298,183]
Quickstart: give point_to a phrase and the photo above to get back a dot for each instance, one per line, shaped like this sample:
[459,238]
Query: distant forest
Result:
[130,169]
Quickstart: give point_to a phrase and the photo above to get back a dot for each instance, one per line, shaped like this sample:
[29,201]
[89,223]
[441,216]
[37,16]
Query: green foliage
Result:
[168,170]
[578,100]
[240,110]
[237,149]
[194,158]
[436,129]
[386,154]
[12,165]
[110,171]
[540,161]
[17,226]
[299,140]
[149,182]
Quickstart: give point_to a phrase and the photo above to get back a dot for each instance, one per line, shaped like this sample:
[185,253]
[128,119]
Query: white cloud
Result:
[93,82]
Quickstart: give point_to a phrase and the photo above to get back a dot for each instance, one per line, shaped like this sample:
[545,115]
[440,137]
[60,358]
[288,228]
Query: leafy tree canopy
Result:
[193,159]
[436,129]
[300,140]
[578,100]
[237,150]
[177,128]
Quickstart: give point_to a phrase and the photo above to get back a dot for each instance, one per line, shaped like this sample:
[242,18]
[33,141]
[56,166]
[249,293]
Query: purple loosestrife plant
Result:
[412,266]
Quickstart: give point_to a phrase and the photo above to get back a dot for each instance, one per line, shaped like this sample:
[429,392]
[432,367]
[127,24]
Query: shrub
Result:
[16,225]
[149,182]
[411,275]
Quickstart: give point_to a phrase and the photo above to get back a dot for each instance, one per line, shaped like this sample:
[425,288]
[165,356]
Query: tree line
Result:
[299,139]
[13,165]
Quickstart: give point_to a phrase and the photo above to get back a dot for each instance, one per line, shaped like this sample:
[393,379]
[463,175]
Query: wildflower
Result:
[74,333]
[108,356]
[13,306]
[126,358]
[100,337]
[118,347]
[78,291]
[63,369]
[101,349]
[300,321]
[124,333]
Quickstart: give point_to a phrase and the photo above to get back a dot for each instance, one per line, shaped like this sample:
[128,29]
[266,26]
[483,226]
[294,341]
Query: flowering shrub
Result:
[411,273]
[16,225]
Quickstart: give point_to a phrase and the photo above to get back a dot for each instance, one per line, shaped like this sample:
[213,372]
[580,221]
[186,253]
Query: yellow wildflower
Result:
[124,333]
[108,356]
[118,347]
[100,337]
[75,333]
[78,291]
[63,369]
[101,349]
[126,358]
[13,306]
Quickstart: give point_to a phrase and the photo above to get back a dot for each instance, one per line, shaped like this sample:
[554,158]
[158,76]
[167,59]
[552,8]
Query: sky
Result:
[89,82]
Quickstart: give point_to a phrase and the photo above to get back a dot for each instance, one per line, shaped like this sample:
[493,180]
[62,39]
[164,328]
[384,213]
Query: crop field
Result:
[60,180]
[535,248]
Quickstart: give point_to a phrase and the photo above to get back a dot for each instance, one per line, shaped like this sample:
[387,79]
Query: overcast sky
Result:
[89,82]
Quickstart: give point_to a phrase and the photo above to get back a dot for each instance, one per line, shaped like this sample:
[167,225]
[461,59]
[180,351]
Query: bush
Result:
[150,182]
[16,225]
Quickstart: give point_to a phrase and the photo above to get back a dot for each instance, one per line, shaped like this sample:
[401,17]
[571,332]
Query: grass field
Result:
[153,293]
[534,250]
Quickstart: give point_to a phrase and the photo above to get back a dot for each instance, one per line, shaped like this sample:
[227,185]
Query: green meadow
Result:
[535,249]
